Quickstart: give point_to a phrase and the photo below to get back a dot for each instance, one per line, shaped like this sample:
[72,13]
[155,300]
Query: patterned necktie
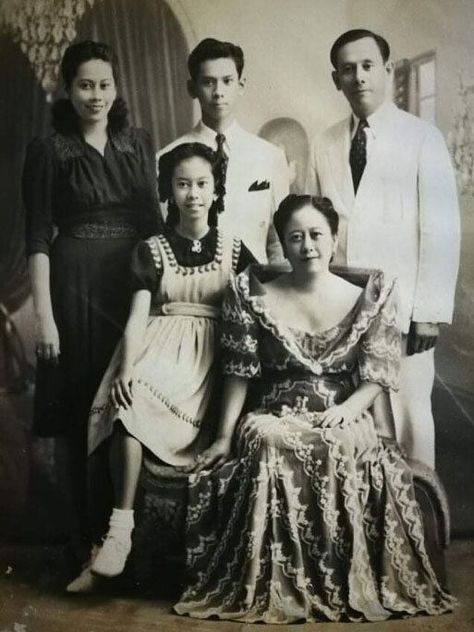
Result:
[358,153]
[222,166]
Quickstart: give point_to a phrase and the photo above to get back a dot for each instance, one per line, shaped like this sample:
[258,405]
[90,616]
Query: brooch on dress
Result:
[197,246]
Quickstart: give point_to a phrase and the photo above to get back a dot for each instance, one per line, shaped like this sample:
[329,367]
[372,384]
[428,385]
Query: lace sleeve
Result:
[239,339]
[380,347]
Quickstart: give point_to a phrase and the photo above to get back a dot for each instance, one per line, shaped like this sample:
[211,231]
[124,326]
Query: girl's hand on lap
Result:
[121,392]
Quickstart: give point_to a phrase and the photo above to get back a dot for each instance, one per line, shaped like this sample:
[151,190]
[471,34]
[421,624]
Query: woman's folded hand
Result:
[336,415]
[214,456]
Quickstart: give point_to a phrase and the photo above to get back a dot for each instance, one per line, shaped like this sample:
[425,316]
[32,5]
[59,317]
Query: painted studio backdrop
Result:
[290,97]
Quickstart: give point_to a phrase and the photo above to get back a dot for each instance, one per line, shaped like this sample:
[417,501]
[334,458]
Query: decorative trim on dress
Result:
[185,270]
[236,247]
[69,146]
[105,229]
[122,141]
[373,300]
[155,253]
[170,406]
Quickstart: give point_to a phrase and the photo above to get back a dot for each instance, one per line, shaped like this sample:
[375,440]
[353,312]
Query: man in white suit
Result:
[257,174]
[389,176]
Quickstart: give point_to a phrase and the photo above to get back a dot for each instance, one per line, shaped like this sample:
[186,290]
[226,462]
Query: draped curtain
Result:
[25,114]
[152,53]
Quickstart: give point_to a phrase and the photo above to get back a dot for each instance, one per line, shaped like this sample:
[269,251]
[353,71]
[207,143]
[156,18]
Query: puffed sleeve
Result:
[38,192]
[145,271]
[152,223]
[380,346]
[239,339]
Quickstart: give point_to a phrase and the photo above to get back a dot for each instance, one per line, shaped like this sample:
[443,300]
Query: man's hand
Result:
[421,337]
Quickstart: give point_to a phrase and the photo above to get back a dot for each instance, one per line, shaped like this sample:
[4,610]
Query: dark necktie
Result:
[358,153]
[222,166]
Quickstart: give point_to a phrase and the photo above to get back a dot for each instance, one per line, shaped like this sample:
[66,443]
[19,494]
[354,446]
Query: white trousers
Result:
[407,415]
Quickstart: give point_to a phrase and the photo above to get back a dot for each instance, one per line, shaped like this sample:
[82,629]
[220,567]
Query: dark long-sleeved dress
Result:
[86,212]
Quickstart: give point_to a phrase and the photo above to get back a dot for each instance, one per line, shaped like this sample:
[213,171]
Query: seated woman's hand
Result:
[214,456]
[121,391]
[335,415]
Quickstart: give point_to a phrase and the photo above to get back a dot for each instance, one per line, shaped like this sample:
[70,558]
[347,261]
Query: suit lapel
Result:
[338,158]
[380,162]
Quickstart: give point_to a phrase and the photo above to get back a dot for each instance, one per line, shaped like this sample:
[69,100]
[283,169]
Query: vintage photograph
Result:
[236,315]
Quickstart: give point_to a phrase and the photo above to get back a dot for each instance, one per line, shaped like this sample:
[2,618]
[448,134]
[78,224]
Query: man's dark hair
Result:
[353,36]
[214,49]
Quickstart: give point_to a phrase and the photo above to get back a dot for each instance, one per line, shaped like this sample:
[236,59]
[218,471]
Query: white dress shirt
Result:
[257,180]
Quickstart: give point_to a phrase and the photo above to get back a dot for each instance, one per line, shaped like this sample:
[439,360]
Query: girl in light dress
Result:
[157,388]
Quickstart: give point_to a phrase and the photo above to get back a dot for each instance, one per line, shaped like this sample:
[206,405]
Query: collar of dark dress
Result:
[73,146]
[175,237]
[122,141]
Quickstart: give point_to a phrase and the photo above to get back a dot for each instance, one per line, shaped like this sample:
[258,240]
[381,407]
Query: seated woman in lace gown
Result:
[315,518]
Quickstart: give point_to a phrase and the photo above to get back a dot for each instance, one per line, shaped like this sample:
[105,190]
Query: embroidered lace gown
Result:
[175,371]
[305,522]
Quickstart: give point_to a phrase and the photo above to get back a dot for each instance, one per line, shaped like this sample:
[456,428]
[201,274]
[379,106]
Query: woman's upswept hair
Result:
[84,51]
[64,116]
[166,168]
[293,203]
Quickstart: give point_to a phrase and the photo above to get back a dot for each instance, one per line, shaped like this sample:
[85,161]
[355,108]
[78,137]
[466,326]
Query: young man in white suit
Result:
[389,176]
[257,174]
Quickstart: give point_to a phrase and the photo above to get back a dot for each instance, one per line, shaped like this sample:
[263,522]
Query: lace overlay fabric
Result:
[308,523]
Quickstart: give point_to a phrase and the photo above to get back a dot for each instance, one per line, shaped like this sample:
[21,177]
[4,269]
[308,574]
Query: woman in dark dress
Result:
[90,195]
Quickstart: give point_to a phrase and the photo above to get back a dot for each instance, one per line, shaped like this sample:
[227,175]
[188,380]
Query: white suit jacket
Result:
[257,180]
[404,219]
